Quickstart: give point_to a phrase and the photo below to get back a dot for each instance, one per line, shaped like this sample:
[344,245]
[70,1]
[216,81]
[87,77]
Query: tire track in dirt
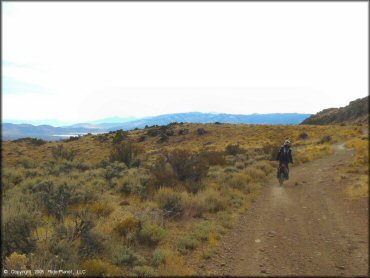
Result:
[307,227]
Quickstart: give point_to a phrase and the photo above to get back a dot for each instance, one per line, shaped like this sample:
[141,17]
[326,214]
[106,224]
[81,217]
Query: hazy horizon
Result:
[146,59]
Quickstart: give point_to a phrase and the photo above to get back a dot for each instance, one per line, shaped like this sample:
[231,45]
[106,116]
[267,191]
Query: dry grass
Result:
[160,199]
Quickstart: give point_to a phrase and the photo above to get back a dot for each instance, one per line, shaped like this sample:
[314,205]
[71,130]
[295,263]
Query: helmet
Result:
[287,143]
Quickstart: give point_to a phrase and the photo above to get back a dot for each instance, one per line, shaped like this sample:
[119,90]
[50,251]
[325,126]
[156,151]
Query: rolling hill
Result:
[356,112]
[15,131]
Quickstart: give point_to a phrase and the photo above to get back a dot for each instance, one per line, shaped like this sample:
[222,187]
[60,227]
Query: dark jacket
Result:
[285,155]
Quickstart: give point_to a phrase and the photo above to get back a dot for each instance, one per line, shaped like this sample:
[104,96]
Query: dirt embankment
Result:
[306,227]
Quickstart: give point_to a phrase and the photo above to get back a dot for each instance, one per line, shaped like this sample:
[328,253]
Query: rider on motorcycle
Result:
[285,156]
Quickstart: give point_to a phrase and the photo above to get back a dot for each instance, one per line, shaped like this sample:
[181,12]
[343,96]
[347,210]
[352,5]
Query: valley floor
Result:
[307,227]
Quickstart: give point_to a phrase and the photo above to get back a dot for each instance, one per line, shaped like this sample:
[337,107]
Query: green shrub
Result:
[17,233]
[170,202]
[151,234]
[119,136]
[159,256]
[127,256]
[187,244]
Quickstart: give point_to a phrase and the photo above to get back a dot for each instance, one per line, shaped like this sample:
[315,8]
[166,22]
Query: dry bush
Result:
[127,227]
[59,152]
[163,174]
[99,268]
[360,189]
[255,174]
[122,152]
[188,166]
[16,261]
[233,149]
[239,180]
[213,200]
[195,205]
[101,209]
[170,202]
[213,157]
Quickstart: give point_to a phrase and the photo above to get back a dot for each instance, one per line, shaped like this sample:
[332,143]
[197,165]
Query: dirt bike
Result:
[283,173]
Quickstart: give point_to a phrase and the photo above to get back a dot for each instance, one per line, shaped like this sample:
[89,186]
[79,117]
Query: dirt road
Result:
[307,227]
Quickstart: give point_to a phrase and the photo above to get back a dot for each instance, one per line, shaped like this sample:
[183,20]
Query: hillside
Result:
[357,112]
[147,201]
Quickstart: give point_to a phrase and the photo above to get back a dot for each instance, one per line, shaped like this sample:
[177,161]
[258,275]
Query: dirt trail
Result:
[307,227]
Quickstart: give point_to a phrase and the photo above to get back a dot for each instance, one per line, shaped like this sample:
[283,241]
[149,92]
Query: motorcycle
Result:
[283,173]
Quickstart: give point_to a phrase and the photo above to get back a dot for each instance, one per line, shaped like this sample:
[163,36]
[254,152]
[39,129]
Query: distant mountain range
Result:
[356,112]
[11,131]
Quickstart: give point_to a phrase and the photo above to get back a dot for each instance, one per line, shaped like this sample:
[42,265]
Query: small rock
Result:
[222,264]
[263,271]
[257,241]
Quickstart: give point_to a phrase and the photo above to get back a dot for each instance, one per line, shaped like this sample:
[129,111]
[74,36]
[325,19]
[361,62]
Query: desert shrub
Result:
[127,227]
[201,131]
[72,138]
[217,123]
[99,268]
[188,166]
[11,178]
[101,209]
[213,157]
[54,198]
[265,166]
[91,244]
[101,138]
[159,256]
[134,182]
[162,173]
[151,234]
[31,141]
[187,244]
[239,165]
[119,136]
[255,174]
[62,253]
[163,138]
[152,132]
[59,152]
[16,261]
[271,150]
[122,152]
[233,149]
[213,200]
[114,170]
[183,131]
[231,169]
[127,256]
[325,139]
[141,138]
[17,233]
[169,132]
[144,271]
[170,202]
[27,163]
[195,205]
[303,136]
[194,186]
[239,180]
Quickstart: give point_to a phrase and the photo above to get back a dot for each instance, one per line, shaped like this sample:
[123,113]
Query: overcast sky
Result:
[90,60]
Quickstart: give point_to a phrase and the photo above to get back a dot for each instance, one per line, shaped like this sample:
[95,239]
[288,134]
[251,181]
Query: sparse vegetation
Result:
[131,203]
